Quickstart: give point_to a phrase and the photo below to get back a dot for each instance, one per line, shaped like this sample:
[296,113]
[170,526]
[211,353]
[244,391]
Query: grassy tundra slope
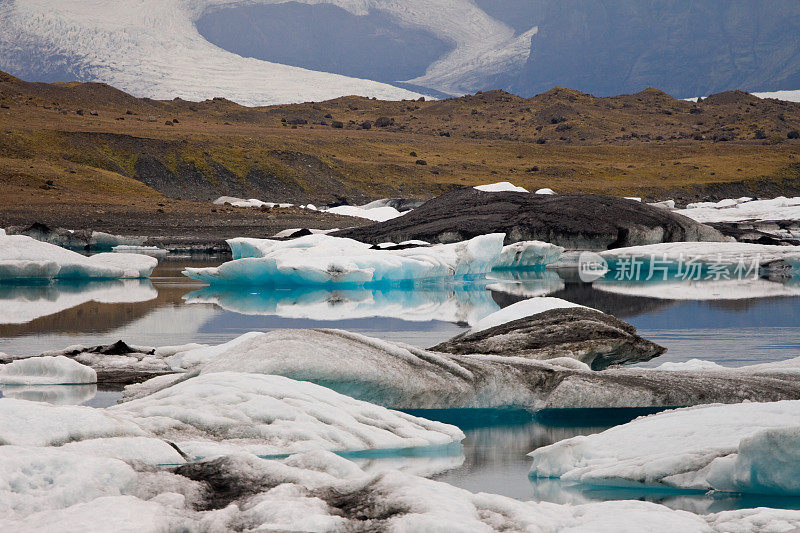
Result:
[88,155]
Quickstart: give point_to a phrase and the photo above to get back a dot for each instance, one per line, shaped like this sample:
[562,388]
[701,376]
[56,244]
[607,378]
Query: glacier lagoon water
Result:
[730,323]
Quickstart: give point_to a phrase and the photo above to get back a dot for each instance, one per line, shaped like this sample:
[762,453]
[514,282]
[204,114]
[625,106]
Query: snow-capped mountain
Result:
[152,48]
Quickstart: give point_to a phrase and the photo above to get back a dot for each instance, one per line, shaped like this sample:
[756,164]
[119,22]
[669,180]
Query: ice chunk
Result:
[545,190]
[24,257]
[58,370]
[39,424]
[639,262]
[691,364]
[665,204]
[746,447]
[378,214]
[321,259]
[221,412]
[199,355]
[725,289]
[527,254]
[744,209]
[522,309]
[502,186]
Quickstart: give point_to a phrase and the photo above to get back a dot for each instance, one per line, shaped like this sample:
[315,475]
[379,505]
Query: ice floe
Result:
[655,261]
[501,186]
[378,214]
[224,412]
[522,309]
[26,258]
[725,289]
[323,260]
[57,370]
[744,209]
[745,447]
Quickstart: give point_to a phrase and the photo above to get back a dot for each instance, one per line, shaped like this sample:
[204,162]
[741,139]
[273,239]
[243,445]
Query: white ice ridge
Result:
[502,186]
[226,412]
[522,309]
[745,447]
[724,289]
[23,303]
[325,260]
[729,254]
[59,370]
[303,492]
[375,211]
[23,257]
[744,209]
[152,48]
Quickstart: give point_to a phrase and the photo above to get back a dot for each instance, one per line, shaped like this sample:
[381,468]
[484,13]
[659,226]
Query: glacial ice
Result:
[744,209]
[502,186]
[323,260]
[545,190]
[58,370]
[522,309]
[226,412]
[637,262]
[378,214]
[723,289]
[26,258]
[744,447]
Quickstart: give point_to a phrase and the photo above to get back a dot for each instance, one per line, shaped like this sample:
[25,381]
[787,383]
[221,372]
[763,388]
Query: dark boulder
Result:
[574,221]
[595,338]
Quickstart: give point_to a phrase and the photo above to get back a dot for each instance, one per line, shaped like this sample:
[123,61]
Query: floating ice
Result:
[226,412]
[58,370]
[27,423]
[26,258]
[746,447]
[525,308]
[545,190]
[502,186]
[744,209]
[322,259]
[725,289]
[378,214]
[656,260]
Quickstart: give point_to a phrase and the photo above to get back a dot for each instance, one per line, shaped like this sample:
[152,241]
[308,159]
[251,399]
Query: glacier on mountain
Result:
[153,49]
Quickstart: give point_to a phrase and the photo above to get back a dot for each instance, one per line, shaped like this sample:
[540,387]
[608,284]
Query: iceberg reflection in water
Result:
[458,302]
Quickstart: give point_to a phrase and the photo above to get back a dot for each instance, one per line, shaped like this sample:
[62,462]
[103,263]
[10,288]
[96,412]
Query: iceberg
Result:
[23,257]
[724,259]
[724,289]
[323,260]
[522,309]
[377,214]
[229,412]
[745,447]
[58,370]
[744,209]
[502,186]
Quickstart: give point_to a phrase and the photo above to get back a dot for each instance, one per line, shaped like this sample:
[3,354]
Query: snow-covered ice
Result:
[58,370]
[639,261]
[501,186]
[26,258]
[224,412]
[744,209]
[545,190]
[378,214]
[323,260]
[745,447]
[522,309]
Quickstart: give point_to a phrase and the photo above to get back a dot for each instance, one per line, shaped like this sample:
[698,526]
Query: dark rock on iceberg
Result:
[574,221]
[593,337]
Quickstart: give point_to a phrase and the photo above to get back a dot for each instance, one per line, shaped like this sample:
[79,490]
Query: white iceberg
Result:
[502,186]
[545,190]
[522,309]
[226,412]
[738,259]
[745,447]
[744,209]
[724,289]
[23,257]
[58,370]
[378,214]
[322,259]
